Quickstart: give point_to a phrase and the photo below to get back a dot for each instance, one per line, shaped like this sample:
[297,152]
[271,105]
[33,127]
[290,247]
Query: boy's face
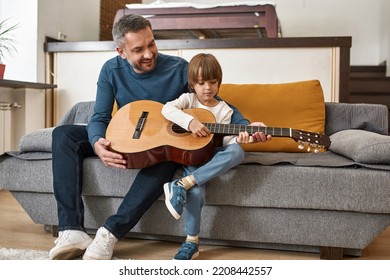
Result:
[206,90]
[140,50]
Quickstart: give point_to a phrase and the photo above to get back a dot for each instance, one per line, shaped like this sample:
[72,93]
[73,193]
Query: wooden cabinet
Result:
[265,60]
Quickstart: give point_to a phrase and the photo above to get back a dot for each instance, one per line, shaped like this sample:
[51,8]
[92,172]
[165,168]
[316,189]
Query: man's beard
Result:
[138,66]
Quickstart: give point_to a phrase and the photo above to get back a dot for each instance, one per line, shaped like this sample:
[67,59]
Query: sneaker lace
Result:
[62,237]
[105,240]
[182,197]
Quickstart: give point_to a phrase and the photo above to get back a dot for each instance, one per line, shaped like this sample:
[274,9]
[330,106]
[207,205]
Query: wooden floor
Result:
[17,230]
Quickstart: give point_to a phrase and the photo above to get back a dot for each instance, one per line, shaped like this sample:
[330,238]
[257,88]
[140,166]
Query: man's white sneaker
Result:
[69,245]
[102,247]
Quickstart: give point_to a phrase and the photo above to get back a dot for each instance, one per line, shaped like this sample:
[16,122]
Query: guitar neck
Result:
[235,129]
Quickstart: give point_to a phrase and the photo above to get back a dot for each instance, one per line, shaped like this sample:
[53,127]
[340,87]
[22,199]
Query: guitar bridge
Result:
[140,125]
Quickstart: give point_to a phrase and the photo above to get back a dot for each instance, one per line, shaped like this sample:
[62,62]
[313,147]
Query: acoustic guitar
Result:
[141,133]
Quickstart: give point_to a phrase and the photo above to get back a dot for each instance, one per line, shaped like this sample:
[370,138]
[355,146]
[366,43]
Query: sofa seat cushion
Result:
[306,185]
[296,187]
[281,185]
[298,105]
[303,185]
[362,146]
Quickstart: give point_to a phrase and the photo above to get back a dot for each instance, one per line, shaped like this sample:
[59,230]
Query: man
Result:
[138,72]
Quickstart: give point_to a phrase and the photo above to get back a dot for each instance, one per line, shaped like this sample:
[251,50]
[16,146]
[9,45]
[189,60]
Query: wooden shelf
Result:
[22,84]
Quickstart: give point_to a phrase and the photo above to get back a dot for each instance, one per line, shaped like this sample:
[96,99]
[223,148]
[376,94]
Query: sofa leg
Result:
[331,253]
[54,230]
[51,229]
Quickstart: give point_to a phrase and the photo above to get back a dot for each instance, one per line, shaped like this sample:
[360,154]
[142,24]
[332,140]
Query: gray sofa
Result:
[334,203]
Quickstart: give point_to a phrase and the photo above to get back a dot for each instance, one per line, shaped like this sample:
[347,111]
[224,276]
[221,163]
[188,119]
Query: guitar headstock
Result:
[311,140]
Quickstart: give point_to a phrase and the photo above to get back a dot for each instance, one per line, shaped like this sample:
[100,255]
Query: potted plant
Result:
[7,43]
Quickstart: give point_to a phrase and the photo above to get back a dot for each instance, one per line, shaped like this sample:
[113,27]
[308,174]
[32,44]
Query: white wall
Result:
[40,18]
[79,21]
[356,18]
[23,64]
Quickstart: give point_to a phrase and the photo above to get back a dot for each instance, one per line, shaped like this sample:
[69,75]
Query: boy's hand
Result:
[198,128]
[245,138]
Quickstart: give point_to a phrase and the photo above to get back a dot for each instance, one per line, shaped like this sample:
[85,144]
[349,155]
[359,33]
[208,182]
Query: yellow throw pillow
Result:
[298,105]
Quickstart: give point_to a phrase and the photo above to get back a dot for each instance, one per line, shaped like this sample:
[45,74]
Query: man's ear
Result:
[121,52]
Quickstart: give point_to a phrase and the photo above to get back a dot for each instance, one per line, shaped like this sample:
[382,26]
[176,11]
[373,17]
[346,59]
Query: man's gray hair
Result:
[128,23]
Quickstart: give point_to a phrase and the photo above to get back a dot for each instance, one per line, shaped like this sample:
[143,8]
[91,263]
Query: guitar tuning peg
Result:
[300,145]
[314,147]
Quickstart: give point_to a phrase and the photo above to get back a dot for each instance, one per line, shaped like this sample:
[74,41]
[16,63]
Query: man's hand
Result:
[109,158]
[245,138]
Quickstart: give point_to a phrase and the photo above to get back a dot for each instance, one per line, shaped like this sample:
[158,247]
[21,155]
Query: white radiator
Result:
[5,127]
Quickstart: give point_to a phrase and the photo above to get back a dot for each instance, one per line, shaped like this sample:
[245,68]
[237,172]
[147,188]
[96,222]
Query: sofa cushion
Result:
[362,146]
[298,105]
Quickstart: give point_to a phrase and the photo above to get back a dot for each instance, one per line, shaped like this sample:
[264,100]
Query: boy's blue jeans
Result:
[224,159]
[70,146]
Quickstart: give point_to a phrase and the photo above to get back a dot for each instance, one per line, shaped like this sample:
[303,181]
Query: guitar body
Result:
[141,133]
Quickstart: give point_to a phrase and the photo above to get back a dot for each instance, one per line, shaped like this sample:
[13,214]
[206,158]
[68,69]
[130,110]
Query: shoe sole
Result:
[85,257]
[168,202]
[71,251]
[70,254]
[194,256]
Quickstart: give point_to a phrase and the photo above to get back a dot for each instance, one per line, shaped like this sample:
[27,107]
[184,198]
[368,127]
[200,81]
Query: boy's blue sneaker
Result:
[188,251]
[175,196]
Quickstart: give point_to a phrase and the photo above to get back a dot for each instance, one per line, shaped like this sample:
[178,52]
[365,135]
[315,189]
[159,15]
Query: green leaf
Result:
[7,39]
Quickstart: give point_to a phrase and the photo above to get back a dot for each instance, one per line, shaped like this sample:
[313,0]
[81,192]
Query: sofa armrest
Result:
[80,113]
[40,140]
[37,141]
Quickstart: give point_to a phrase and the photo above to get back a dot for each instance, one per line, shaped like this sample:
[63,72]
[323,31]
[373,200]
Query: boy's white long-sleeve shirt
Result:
[173,111]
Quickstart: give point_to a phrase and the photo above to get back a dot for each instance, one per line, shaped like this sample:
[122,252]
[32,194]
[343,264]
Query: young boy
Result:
[204,80]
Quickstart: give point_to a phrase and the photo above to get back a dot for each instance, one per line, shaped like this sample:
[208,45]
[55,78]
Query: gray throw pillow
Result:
[37,141]
[361,146]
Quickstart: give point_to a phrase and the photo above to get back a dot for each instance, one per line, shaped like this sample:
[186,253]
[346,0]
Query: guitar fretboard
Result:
[235,129]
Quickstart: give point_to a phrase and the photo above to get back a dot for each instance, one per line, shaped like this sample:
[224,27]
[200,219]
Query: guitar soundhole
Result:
[178,129]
